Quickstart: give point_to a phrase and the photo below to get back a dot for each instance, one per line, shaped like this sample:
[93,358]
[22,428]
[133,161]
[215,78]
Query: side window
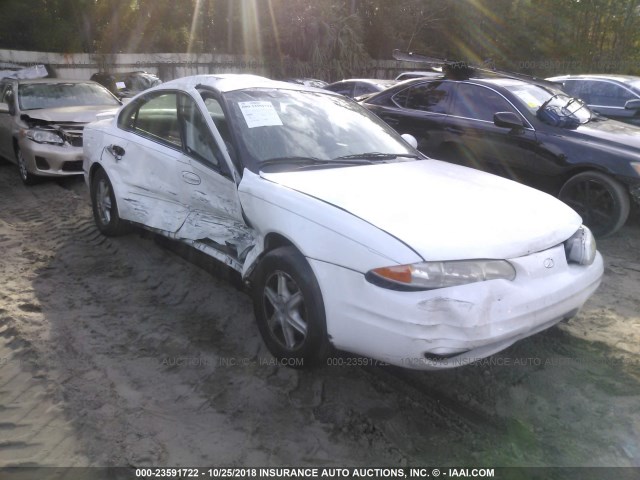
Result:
[155,117]
[479,103]
[198,140]
[609,94]
[574,88]
[6,94]
[431,97]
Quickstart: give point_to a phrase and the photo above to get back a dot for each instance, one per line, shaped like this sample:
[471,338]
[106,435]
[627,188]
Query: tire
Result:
[26,177]
[105,208]
[601,201]
[289,309]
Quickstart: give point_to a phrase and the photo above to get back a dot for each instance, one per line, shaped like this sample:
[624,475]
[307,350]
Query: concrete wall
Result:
[174,65]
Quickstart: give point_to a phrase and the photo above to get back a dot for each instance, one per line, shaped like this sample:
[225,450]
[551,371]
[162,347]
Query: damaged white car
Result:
[346,234]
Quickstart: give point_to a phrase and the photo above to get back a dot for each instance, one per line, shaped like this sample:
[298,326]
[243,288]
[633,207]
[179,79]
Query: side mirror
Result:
[632,104]
[507,120]
[4,108]
[410,139]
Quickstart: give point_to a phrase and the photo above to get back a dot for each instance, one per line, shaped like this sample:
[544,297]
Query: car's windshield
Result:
[534,96]
[288,127]
[53,95]
[635,84]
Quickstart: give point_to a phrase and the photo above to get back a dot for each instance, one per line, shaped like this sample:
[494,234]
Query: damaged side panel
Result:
[215,223]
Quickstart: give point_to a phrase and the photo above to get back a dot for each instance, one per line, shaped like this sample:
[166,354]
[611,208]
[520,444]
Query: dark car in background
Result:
[126,85]
[359,86]
[614,96]
[41,123]
[526,131]
[307,82]
[418,74]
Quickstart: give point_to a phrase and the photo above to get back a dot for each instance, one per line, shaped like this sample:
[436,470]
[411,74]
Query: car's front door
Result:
[504,151]
[149,163]
[207,185]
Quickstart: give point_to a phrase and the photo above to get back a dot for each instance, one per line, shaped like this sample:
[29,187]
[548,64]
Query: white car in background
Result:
[347,236]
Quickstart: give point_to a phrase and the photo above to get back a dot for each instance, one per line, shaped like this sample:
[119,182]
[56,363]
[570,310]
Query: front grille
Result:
[72,133]
[73,166]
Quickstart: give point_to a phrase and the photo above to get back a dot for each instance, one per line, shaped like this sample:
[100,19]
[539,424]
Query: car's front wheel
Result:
[289,309]
[105,208]
[26,177]
[601,201]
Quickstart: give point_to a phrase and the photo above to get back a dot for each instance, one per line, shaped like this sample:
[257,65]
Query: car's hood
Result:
[612,132]
[82,114]
[442,211]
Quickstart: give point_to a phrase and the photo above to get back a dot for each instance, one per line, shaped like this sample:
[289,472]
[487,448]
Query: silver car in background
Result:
[41,123]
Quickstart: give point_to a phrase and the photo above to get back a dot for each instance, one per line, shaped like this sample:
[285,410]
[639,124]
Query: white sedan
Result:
[347,236]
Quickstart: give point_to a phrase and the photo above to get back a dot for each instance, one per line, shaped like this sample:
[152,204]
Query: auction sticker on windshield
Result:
[259,114]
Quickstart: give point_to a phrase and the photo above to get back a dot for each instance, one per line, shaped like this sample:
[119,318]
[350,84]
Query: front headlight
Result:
[580,248]
[431,275]
[44,136]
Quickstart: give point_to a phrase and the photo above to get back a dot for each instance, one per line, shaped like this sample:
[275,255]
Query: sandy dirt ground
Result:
[120,352]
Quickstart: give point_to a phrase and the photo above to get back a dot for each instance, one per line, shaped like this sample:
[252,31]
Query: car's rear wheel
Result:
[105,208]
[602,202]
[289,309]
[26,177]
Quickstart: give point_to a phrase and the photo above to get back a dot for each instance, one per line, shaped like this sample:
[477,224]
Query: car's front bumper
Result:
[51,160]
[454,326]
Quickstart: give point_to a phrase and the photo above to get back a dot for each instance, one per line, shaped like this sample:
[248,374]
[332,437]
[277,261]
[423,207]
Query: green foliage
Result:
[335,38]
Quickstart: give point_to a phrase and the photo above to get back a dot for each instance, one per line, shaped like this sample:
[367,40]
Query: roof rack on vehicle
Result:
[461,70]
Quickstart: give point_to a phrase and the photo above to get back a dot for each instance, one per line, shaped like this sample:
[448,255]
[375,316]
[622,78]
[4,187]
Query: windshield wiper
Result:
[293,160]
[582,104]
[376,156]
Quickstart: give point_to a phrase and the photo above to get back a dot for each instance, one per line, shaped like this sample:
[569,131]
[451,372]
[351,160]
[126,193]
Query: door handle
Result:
[117,151]
[191,178]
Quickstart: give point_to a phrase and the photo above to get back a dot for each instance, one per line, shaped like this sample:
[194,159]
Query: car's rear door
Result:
[149,173]
[420,110]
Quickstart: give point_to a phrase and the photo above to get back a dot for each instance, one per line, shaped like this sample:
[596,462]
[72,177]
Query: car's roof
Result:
[499,81]
[598,76]
[229,82]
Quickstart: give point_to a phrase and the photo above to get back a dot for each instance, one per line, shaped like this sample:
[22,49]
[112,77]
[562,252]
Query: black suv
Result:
[525,130]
